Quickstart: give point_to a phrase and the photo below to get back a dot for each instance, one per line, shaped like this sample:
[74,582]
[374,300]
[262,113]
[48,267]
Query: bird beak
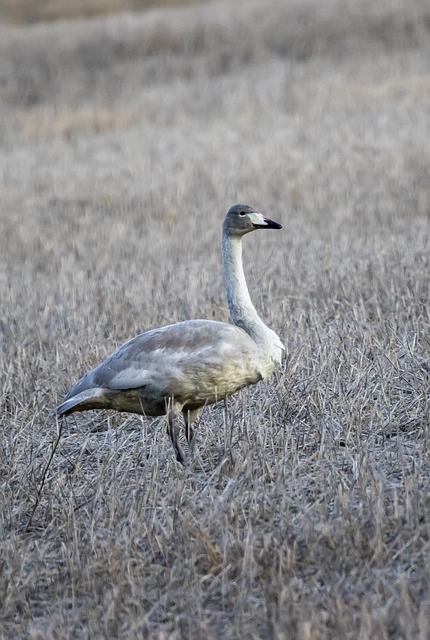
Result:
[261,222]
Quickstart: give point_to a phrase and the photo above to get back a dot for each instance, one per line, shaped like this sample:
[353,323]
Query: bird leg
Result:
[173,433]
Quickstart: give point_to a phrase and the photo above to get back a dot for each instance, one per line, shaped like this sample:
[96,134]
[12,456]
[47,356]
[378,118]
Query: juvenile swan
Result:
[183,366]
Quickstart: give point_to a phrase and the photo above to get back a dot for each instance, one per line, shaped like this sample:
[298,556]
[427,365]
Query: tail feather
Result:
[89,399]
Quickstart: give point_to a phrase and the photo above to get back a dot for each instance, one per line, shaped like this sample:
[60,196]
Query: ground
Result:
[124,140]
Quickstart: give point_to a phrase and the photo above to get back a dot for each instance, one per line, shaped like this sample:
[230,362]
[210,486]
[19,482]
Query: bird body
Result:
[195,362]
[183,366]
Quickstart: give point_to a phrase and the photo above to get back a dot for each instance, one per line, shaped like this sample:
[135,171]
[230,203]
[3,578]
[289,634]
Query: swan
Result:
[184,366]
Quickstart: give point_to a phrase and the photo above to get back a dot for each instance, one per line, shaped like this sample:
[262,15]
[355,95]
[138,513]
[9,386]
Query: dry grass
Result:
[124,140]
[27,11]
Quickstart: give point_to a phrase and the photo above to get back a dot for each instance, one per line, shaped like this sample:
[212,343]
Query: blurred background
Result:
[25,11]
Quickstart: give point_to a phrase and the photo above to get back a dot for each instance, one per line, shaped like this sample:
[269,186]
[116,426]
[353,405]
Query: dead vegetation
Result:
[124,141]
[28,11]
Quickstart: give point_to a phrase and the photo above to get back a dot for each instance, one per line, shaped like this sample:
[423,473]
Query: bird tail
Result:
[89,399]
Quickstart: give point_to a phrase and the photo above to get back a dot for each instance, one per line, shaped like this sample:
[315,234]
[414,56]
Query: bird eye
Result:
[242,213]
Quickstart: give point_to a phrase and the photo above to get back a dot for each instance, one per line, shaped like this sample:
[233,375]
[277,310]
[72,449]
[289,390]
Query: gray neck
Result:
[242,311]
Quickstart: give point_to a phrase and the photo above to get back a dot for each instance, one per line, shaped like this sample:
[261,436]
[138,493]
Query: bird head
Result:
[241,219]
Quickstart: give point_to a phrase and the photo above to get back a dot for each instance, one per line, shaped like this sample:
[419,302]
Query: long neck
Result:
[242,311]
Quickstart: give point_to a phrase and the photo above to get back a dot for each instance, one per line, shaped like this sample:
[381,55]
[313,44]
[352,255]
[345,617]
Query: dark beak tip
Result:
[275,225]
[268,224]
[272,224]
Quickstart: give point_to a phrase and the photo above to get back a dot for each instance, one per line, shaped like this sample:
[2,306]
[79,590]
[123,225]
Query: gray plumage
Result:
[183,366]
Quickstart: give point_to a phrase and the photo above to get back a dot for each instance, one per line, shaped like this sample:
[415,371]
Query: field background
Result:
[124,138]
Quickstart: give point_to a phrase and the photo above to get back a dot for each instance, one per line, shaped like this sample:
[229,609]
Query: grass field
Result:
[124,139]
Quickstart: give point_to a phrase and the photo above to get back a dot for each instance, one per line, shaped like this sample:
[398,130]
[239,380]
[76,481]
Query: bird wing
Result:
[190,360]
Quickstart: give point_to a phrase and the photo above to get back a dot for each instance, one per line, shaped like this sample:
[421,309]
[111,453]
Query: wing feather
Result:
[195,360]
